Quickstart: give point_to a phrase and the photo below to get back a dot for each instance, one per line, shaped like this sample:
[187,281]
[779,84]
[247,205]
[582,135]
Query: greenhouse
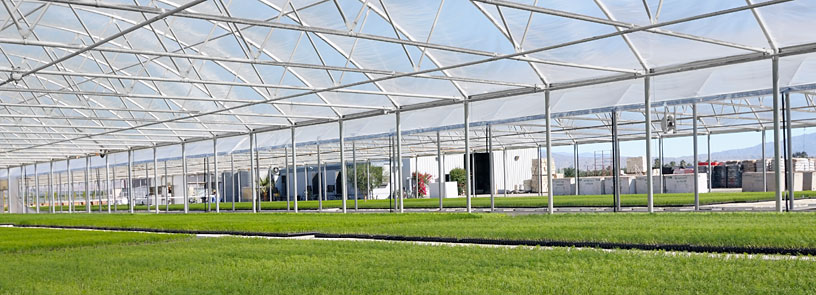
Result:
[108,103]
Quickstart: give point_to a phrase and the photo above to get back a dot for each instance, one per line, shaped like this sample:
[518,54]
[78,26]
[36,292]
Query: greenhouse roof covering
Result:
[88,77]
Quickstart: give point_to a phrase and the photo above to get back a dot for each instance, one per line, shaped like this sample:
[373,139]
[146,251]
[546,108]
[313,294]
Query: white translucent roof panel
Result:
[88,77]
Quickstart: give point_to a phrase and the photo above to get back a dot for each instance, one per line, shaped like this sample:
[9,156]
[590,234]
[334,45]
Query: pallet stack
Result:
[636,165]
[803,165]
[751,166]
[536,174]
[733,174]
[719,177]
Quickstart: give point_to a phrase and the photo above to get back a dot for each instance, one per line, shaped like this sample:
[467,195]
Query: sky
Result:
[682,146]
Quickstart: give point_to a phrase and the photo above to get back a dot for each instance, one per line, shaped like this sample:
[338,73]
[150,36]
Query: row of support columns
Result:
[469,185]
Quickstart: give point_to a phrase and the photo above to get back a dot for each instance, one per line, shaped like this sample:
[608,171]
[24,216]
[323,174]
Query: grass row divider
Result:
[449,240]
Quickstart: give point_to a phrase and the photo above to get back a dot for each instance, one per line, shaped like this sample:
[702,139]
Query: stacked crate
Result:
[768,165]
[751,166]
[540,174]
[803,165]
[799,165]
[636,165]
[733,173]
[719,177]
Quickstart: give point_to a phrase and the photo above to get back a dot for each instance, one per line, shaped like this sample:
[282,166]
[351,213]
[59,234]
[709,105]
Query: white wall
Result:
[517,170]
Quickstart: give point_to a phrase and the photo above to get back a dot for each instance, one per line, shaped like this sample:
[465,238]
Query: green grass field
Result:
[22,239]
[711,229]
[502,202]
[185,265]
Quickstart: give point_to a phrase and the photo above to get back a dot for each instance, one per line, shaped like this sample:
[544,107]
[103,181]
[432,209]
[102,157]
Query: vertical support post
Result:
[467,156]
[238,192]
[50,188]
[130,181]
[156,179]
[25,188]
[166,200]
[416,176]
[550,200]
[115,198]
[252,175]
[70,185]
[343,176]
[504,170]
[305,181]
[368,180]
[294,170]
[777,142]
[234,184]
[540,170]
[492,171]
[789,144]
[37,188]
[184,190]
[107,182]
[440,180]
[147,187]
[207,188]
[391,173]
[648,106]
[615,164]
[399,165]
[576,164]
[4,193]
[215,175]
[353,159]
[99,189]
[60,192]
[319,182]
[87,184]
[325,182]
[660,159]
[288,179]
[764,164]
[257,178]
[710,172]
[696,160]
[473,172]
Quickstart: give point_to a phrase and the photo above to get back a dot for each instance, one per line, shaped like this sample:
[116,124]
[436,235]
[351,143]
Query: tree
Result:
[569,172]
[672,164]
[682,163]
[802,154]
[362,177]
[656,162]
[458,175]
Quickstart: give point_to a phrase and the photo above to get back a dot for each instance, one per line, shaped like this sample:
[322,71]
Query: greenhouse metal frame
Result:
[147,81]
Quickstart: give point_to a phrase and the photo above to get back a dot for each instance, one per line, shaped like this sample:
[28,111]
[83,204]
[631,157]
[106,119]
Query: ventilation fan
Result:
[668,124]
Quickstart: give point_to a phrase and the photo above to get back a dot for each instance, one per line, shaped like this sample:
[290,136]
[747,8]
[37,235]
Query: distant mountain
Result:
[755,152]
[749,153]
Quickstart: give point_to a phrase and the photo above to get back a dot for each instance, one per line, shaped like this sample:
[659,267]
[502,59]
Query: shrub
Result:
[458,175]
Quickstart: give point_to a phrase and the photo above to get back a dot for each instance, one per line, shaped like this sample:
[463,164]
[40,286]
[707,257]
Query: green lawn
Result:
[260,266]
[503,202]
[797,230]
[23,239]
